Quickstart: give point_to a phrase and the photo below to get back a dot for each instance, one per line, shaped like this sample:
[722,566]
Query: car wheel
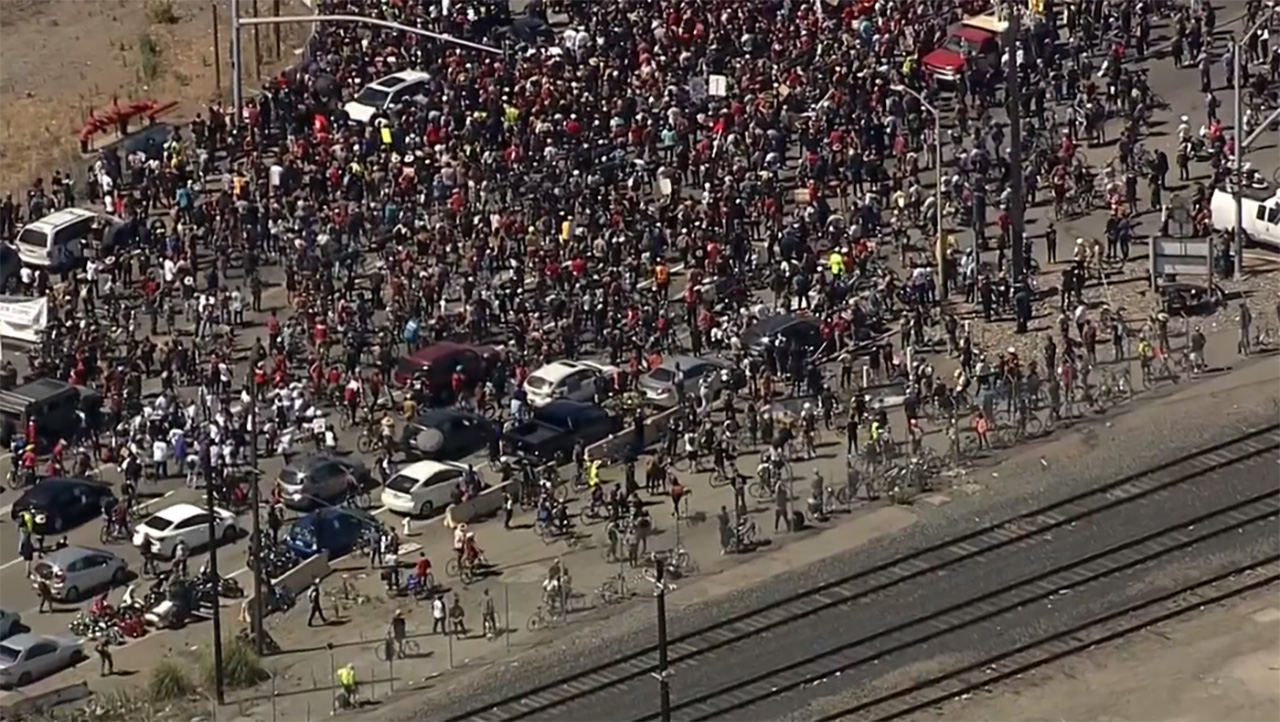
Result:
[426,510]
[119,577]
[56,524]
[72,594]
[228,534]
[24,679]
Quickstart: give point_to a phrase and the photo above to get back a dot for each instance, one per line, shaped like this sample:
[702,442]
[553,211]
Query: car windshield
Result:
[158,523]
[662,375]
[402,483]
[304,534]
[289,476]
[957,44]
[372,96]
[9,654]
[537,383]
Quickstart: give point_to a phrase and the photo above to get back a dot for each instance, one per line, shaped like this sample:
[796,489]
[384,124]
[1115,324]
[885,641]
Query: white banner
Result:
[24,320]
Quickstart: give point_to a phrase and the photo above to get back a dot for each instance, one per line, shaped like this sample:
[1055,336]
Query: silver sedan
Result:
[26,657]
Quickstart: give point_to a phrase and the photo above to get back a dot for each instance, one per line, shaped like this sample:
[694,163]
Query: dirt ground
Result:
[61,58]
[1220,664]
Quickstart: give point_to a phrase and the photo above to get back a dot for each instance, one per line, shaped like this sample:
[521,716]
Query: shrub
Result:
[241,666]
[169,682]
[162,12]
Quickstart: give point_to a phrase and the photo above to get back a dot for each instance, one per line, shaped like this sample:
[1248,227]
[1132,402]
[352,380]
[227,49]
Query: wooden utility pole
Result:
[217,48]
[275,11]
[257,46]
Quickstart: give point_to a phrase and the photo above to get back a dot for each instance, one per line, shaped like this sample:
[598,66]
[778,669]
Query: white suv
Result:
[391,90]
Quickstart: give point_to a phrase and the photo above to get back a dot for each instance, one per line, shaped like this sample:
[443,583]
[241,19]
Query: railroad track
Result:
[1035,527]
[1103,629]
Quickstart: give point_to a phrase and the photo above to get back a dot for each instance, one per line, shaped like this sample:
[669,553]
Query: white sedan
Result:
[187,522]
[569,380]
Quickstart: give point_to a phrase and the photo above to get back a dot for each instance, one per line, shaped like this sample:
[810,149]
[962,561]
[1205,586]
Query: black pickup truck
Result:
[558,426]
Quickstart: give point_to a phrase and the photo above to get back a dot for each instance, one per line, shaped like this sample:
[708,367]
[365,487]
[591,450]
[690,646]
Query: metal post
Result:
[1237,123]
[448,635]
[259,605]
[218,681]
[273,697]
[506,615]
[1013,101]
[275,12]
[257,47]
[391,667]
[237,74]
[664,667]
[939,249]
[217,49]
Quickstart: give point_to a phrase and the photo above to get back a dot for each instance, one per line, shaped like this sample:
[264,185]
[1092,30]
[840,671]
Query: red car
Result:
[977,37]
[440,360]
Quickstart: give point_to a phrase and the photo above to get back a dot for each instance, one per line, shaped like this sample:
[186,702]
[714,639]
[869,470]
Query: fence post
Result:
[391,670]
[506,615]
[273,697]
[448,634]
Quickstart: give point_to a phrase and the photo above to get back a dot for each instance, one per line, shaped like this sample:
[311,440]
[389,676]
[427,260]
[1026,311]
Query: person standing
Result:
[438,615]
[488,616]
[780,499]
[1246,326]
[106,664]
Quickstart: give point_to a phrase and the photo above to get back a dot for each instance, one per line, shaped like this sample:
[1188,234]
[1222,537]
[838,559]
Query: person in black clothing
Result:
[313,596]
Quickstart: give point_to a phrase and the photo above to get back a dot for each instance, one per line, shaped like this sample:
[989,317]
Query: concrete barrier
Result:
[614,448]
[17,705]
[484,505]
[295,581]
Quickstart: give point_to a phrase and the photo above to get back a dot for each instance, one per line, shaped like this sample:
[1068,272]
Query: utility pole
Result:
[237,73]
[217,49]
[259,634]
[663,674]
[218,681]
[1013,101]
[1237,248]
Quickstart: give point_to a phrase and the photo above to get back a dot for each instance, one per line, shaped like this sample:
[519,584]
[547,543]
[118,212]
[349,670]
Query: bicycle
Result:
[388,650]
[464,572]
[344,701]
[613,590]
[681,563]
[543,619]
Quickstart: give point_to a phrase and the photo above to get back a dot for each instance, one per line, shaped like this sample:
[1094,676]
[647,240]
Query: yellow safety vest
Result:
[836,262]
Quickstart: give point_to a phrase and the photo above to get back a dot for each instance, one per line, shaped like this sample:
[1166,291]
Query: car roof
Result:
[26,639]
[562,411]
[434,413]
[38,390]
[971,33]
[57,219]
[330,512]
[437,351]
[396,80]
[426,469]
[686,362]
[66,555]
[179,511]
[557,370]
[50,484]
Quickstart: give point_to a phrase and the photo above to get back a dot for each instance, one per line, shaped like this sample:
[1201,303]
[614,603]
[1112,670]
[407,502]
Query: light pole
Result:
[663,674]
[1237,122]
[939,254]
[238,22]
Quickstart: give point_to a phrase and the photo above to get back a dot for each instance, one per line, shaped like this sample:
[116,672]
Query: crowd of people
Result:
[642,180]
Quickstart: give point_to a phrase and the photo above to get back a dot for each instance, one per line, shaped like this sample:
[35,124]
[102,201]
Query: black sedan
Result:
[62,503]
[801,331]
[446,434]
[560,425]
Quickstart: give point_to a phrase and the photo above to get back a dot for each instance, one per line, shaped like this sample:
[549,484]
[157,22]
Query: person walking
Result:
[46,596]
[457,617]
[313,597]
[488,616]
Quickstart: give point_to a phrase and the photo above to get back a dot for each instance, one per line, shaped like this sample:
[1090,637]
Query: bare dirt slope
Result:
[60,58]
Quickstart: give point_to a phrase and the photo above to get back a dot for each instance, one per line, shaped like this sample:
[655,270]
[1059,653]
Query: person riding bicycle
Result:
[472,554]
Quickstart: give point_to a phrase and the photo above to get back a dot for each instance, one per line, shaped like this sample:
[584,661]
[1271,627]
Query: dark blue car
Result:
[337,530]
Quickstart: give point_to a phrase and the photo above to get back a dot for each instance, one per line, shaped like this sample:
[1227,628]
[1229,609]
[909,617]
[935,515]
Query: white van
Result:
[58,240]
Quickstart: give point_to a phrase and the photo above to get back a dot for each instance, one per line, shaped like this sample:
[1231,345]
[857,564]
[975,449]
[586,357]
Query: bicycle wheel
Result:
[682,463]
[364,444]
[719,479]
[1032,427]
[608,592]
[451,567]
[104,534]
[384,650]
[466,574]
[588,517]
[759,491]
[410,648]
[536,621]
